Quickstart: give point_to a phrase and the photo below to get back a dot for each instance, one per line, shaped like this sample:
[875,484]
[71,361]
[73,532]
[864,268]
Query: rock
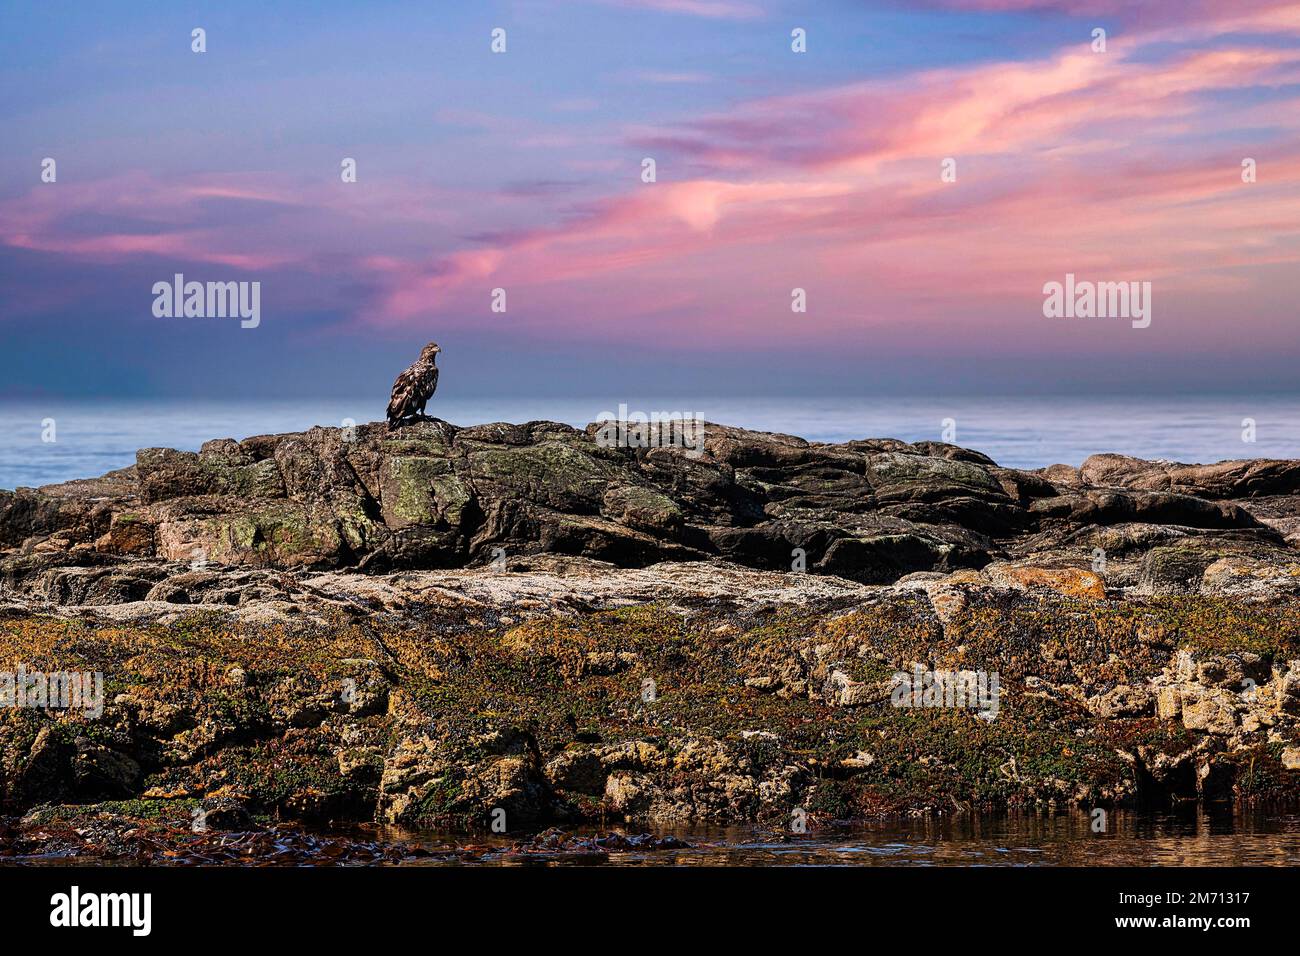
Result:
[1174,570]
[164,473]
[46,771]
[428,625]
[610,662]
[1169,703]
[433,495]
[578,771]
[947,601]
[1123,701]
[1257,578]
[642,508]
[882,558]
[456,697]
[358,761]
[853,693]
[99,771]
[128,534]
[1235,671]
[221,814]
[1212,711]
[1073,582]
[1227,479]
[1287,689]
[624,795]
[424,783]
[858,762]
[1291,758]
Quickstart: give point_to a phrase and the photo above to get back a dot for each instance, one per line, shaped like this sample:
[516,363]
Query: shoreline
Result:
[450,628]
[1027,433]
[114,835]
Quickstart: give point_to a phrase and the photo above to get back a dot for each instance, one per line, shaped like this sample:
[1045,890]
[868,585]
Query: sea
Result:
[50,441]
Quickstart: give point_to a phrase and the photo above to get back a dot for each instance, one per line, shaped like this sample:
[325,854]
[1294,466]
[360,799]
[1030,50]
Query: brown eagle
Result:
[414,387]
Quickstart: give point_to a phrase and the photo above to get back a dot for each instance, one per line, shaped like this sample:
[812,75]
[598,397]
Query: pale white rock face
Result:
[540,585]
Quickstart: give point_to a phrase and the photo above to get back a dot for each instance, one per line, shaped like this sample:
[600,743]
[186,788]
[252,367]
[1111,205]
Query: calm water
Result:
[1192,837]
[1132,838]
[1030,432]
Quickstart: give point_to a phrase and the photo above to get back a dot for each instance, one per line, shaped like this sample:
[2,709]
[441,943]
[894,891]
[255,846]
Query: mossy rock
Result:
[408,496]
[553,474]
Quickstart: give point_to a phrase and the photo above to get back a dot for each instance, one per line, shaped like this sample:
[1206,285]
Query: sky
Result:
[775,170]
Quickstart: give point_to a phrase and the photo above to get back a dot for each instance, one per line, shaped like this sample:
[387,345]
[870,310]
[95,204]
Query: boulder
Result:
[432,495]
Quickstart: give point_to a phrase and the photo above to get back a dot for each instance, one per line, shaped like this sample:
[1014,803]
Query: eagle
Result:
[413,388]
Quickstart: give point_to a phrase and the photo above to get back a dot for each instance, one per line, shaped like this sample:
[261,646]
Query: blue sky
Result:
[776,170]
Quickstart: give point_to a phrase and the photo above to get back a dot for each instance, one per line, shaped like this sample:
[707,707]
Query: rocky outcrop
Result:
[432,495]
[1248,478]
[510,624]
[566,690]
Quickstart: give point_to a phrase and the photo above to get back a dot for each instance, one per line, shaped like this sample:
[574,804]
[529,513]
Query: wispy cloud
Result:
[1125,163]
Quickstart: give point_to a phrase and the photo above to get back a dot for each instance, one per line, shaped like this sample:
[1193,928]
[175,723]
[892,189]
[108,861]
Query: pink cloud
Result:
[997,108]
[1103,164]
[1115,165]
[1183,11]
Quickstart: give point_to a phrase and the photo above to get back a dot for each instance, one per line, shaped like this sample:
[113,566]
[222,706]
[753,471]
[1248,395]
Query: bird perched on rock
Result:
[413,388]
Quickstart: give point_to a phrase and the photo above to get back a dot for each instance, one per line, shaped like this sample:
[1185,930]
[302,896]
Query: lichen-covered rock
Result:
[433,495]
[1212,711]
[128,534]
[1123,701]
[496,780]
[1074,582]
[575,690]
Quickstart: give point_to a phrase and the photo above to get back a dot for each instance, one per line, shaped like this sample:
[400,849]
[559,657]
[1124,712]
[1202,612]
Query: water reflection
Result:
[1131,838]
